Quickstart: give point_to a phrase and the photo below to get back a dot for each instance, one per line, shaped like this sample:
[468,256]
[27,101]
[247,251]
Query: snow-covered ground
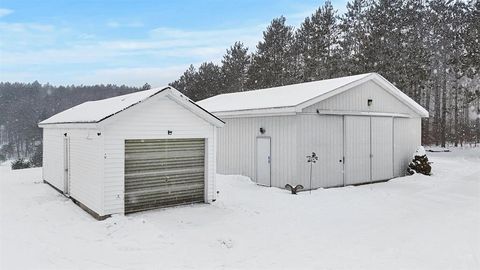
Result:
[416,222]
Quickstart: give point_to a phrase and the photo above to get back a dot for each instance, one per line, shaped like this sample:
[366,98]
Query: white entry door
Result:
[382,148]
[357,150]
[66,166]
[263,161]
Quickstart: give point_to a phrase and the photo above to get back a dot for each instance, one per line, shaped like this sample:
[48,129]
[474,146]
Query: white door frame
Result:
[205,169]
[66,166]
[269,159]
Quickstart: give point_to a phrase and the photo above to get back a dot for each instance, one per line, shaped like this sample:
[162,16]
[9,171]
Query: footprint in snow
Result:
[227,243]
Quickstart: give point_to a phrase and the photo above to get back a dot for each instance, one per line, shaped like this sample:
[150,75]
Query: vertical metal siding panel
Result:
[407,137]
[149,121]
[300,159]
[382,148]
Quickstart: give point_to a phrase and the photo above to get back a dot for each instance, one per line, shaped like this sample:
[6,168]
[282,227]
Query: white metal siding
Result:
[86,164]
[53,157]
[150,120]
[322,134]
[407,137]
[295,136]
[236,147]
[355,100]
[382,148]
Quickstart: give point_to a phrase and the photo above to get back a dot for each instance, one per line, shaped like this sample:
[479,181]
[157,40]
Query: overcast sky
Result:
[129,41]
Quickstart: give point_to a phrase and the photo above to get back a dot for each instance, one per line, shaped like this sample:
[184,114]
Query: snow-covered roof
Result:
[99,110]
[296,96]
[275,97]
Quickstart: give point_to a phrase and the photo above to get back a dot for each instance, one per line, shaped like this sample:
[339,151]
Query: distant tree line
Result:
[23,105]
[429,49]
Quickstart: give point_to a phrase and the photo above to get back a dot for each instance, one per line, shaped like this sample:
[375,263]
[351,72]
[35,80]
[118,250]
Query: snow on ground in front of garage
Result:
[416,222]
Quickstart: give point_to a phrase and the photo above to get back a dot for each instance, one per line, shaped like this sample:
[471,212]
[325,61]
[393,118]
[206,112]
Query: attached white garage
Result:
[362,128]
[135,152]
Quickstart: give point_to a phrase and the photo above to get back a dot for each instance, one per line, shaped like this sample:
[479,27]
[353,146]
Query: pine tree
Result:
[273,63]
[209,81]
[458,63]
[413,53]
[354,37]
[472,40]
[383,48]
[234,68]
[317,41]
[441,19]
[419,163]
[186,83]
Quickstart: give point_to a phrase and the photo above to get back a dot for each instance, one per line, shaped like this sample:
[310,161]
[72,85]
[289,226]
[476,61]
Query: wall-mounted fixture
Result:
[369,102]
[262,130]
[98,134]
[65,134]
[169,132]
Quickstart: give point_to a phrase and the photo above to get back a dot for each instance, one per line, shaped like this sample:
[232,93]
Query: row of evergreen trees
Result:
[428,49]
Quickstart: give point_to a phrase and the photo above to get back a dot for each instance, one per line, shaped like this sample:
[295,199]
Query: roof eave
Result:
[195,108]
[42,124]
[79,125]
[290,110]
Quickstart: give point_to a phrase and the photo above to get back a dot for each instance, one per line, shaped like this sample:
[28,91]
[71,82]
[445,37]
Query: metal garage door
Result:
[382,148]
[357,150]
[163,172]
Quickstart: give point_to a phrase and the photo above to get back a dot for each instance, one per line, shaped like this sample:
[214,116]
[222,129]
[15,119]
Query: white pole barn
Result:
[362,128]
[135,152]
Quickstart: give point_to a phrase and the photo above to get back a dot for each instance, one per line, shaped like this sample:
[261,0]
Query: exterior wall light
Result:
[369,102]
[262,130]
